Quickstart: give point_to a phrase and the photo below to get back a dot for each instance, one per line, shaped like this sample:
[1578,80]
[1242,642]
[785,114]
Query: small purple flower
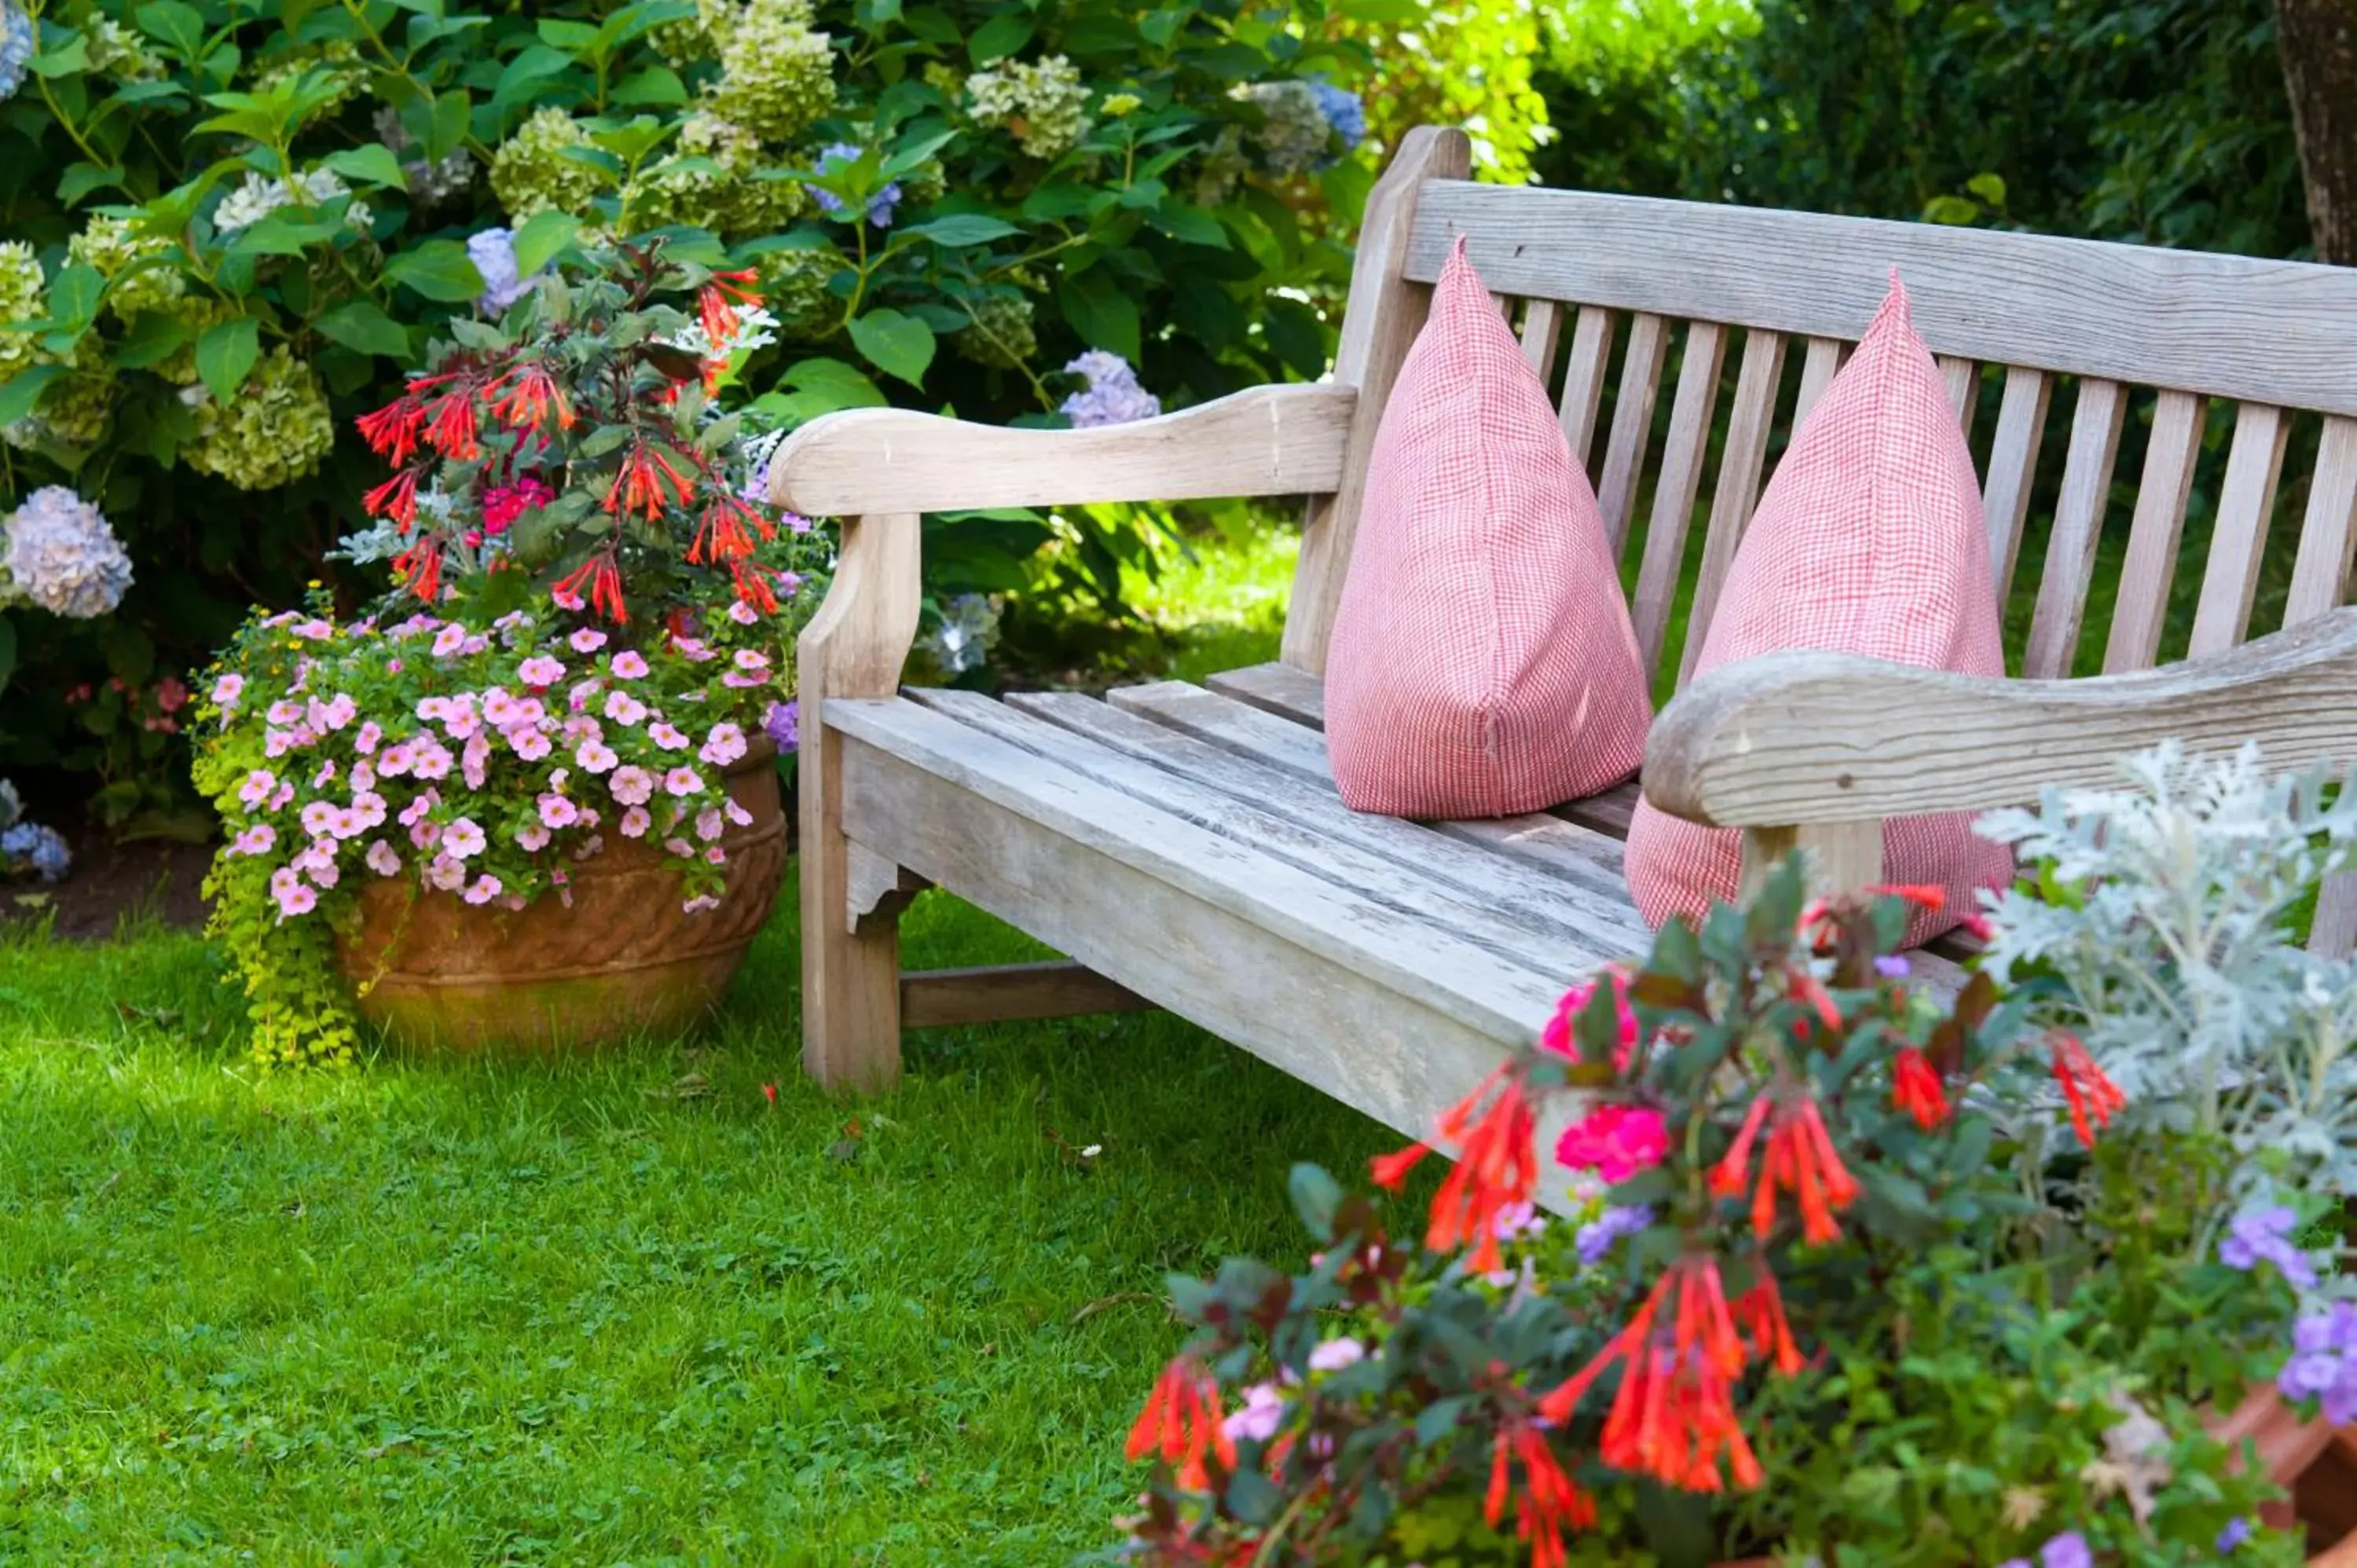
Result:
[2068,1549]
[1596,1238]
[2264,1235]
[2237,1532]
[840,154]
[783,725]
[1112,397]
[1892,966]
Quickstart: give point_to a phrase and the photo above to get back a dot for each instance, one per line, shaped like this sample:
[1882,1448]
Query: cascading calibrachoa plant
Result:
[1861,1279]
[590,598]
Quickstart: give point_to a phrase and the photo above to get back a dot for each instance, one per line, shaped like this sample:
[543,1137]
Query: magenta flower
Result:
[257,787]
[636,822]
[589,639]
[541,671]
[383,859]
[1615,1141]
[627,665]
[682,781]
[462,839]
[227,689]
[724,746]
[714,855]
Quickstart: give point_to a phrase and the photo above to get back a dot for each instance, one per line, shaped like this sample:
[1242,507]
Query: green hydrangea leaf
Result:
[541,237]
[900,345]
[360,326]
[226,355]
[371,164]
[998,38]
[440,269]
[22,390]
[963,229]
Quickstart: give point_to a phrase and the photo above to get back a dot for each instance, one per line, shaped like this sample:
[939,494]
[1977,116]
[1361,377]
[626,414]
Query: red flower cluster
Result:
[1915,1087]
[2086,1088]
[1495,1168]
[1181,1423]
[1801,1160]
[1550,1502]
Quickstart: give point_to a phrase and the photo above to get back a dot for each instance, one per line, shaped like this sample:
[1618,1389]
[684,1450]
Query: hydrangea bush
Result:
[1847,1276]
[228,228]
[582,640]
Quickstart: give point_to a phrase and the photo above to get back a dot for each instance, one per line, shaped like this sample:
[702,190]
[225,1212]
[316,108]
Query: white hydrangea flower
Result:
[258,196]
[63,556]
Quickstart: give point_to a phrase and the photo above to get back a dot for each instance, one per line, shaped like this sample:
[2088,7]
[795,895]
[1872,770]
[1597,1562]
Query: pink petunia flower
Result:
[398,758]
[533,837]
[724,746]
[541,671]
[255,839]
[635,823]
[462,839]
[556,811]
[591,847]
[631,785]
[707,823]
[434,762]
[699,904]
[285,795]
[715,854]
[227,691]
[627,665]
[383,859]
[449,641]
[577,698]
[680,847]
[670,739]
[737,814]
[335,713]
[367,804]
[623,708]
[315,631]
[316,816]
[693,650]
[485,888]
[683,781]
[742,682]
[366,741]
[257,787]
[528,742]
[445,873]
[277,741]
[363,777]
[595,756]
[297,899]
[460,719]
[475,761]
[742,613]
[565,599]
[326,775]
[589,639]
[347,823]
[419,807]
[284,711]
[501,710]
[581,726]
[751,659]
[1257,1419]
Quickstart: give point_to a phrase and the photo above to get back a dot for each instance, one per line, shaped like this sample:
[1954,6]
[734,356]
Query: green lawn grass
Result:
[617,1309]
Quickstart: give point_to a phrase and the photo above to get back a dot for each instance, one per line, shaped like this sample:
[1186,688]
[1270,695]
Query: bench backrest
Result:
[2111,344]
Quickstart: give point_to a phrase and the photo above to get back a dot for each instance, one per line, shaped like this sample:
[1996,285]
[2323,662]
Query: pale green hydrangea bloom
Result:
[777,75]
[272,433]
[530,174]
[115,51]
[1039,104]
[108,245]
[793,287]
[1001,333]
[731,202]
[1295,138]
[703,36]
[20,300]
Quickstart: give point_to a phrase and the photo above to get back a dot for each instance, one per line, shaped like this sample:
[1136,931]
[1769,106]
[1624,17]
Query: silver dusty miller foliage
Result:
[2164,917]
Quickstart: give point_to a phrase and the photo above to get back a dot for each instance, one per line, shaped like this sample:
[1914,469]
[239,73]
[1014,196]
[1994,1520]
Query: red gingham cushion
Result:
[1482,661]
[1867,540]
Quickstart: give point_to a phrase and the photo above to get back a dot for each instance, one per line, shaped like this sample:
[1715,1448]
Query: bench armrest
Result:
[1795,739]
[1268,441]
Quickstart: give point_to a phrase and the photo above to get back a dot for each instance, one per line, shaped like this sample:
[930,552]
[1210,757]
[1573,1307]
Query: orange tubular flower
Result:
[753,588]
[391,431]
[531,399]
[452,430]
[1929,896]
[419,567]
[1761,1310]
[2088,1090]
[1181,1423]
[1551,1501]
[1915,1089]
[713,302]
[1495,1168]
[1800,1159]
[1673,1417]
[640,485]
[1389,1171]
[395,499]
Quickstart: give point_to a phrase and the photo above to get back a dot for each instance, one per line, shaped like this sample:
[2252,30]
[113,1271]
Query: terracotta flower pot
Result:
[624,958]
[2316,1463]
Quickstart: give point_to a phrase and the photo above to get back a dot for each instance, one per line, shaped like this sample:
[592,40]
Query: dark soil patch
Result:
[114,882]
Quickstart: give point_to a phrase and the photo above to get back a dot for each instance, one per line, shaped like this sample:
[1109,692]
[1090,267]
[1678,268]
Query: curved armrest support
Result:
[1268,441]
[1792,739]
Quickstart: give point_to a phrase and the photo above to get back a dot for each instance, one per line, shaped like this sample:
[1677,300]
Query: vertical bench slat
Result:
[1677,483]
[1963,379]
[1583,380]
[1818,368]
[2078,524]
[1542,320]
[2142,608]
[1632,424]
[1738,480]
[2239,541]
[2319,577]
[2013,467]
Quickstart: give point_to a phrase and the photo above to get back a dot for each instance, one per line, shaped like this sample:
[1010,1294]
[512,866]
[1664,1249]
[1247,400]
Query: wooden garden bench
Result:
[1187,847]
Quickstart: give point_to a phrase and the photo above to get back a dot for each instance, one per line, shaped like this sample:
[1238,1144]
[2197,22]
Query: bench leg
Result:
[851,965]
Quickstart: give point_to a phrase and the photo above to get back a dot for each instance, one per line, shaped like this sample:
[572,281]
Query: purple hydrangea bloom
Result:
[17,48]
[1596,1238]
[63,554]
[494,255]
[783,724]
[2264,1235]
[1345,115]
[2237,1532]
[1113,396]
[880,206]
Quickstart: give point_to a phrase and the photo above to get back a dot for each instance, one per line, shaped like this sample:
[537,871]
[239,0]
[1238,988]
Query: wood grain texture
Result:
[879,890]
[2320,574]
[1633,426]
[1676,487]
[1963,380]
[1804,737]
[2333,929]
[2238,541]
[2232,327]
[1542,323]
[2013,467]
[1837,857]
[1737,493]
[2141,609]
[854,647]
[1819,366]
[1268,441]
[2078,527]
[1006,992]
[1583,382]
[1379,326]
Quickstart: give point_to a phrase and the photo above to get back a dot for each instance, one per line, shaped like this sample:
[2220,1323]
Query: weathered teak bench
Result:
[1186,846]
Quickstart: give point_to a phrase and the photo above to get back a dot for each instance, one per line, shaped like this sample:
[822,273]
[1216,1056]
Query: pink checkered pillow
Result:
[1482,661]
[1868,541]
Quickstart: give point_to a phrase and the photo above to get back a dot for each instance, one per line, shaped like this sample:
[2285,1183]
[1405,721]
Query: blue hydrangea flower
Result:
[41,850]
[2264,1235]
[1596,1238]
[841,155]
[17,48]
[494,255]
[1345,115]
[63,556]
[1113,395]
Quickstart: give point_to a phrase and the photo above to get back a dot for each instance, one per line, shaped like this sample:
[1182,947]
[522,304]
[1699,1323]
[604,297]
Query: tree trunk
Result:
[2319,39]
